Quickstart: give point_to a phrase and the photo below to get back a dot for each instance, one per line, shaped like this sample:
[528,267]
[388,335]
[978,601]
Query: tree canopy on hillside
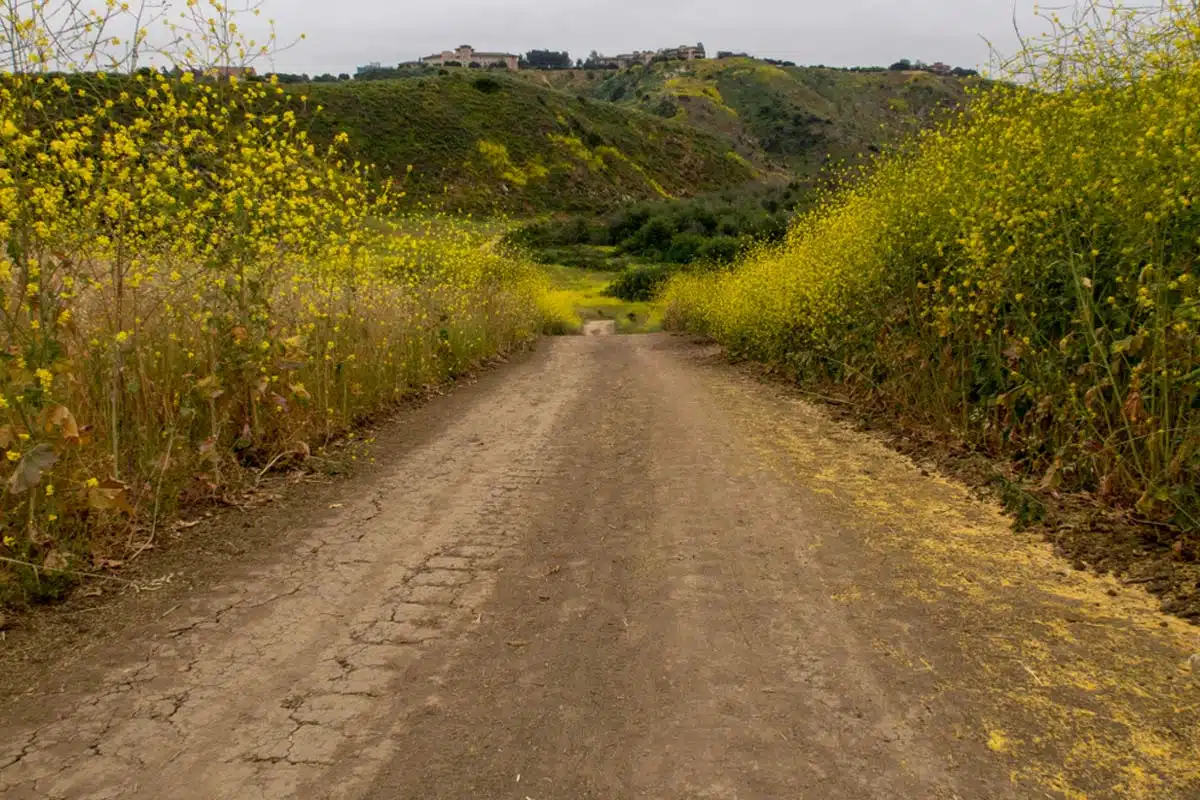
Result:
[547,59]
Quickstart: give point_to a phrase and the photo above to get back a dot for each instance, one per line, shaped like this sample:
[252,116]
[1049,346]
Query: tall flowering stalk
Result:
[189,286]
[1023,275]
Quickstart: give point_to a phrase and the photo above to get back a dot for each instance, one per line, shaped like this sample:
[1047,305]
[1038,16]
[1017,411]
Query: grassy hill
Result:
[786,122]
[580,140]
[486,140]
[778,118]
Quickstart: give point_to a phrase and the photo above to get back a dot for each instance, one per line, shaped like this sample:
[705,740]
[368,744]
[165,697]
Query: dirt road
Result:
[618,569]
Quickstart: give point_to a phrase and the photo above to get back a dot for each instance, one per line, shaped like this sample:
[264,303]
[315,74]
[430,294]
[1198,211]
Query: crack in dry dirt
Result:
[332,627]
[627,571]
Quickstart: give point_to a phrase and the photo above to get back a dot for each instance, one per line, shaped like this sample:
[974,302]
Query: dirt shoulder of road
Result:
[1089,535]
[199,547]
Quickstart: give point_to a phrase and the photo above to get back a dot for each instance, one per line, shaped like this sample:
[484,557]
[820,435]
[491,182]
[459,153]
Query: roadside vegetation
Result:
[194,292]
[1023,276]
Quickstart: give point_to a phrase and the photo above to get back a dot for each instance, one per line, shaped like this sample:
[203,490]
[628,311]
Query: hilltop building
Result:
[467,56]
[623,60]
[684,52]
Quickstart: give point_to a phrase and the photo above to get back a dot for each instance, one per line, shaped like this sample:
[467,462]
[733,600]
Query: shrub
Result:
[708,229]
[487,84]
[723,250]
[640,283]
[684,248]
[1023,276]
[190,287]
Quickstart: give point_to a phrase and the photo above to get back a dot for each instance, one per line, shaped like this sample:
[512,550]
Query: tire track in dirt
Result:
[629,572]
[674,642]
[729,595]
[263,684]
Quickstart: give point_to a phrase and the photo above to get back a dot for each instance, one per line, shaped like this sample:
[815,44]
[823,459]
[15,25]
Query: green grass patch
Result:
[585,291]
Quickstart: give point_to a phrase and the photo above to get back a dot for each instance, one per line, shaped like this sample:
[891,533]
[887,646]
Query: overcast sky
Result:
[343,34]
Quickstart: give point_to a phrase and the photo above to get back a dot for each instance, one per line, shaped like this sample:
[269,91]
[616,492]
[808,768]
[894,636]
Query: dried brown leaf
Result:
[109,496]
[55,561]
[1053,477]
[30,468]
[1134,410]
[61,417]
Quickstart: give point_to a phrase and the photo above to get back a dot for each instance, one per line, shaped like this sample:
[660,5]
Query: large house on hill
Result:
[685,52]
[467,56]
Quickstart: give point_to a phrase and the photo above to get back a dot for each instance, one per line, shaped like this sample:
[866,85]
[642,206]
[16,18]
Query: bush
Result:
[723,250]
[684,248]
[705,229]
[190,289]
[487,84]
[581,257]
[1023,276]
[639,283]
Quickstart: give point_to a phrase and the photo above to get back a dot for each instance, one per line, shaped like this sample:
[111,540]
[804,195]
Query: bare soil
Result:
[599,327]
[614,568]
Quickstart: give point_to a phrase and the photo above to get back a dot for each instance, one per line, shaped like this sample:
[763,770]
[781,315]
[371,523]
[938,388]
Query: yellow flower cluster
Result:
[1023,274]
[188,285]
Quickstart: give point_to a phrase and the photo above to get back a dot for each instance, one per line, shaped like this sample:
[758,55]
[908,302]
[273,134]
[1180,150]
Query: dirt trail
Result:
[599,327]
[620,570]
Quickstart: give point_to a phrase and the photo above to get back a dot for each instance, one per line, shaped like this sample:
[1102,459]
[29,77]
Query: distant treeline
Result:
[288,77]
[561,59]
[904,65]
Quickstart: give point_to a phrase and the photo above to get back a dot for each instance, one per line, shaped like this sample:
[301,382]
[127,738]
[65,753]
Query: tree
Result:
[903,65]
[548,59]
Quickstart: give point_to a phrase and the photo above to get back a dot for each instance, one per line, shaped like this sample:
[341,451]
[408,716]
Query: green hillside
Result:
[779,118]
[487,140]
